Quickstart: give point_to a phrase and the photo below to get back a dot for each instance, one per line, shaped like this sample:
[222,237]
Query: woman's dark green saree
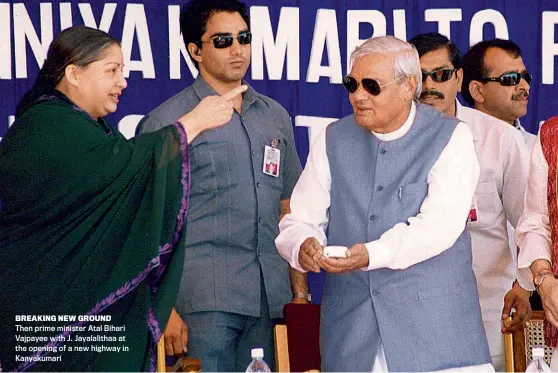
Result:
[91,224]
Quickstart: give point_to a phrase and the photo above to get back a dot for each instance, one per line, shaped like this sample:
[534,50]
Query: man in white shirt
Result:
[496,82]
[503,159]
[393,183]
[538,255]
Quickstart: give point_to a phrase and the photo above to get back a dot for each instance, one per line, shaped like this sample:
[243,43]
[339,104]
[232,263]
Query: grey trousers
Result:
[223,340]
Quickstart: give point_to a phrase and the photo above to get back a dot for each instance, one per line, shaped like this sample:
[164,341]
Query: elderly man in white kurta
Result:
[393,183]
[503,158]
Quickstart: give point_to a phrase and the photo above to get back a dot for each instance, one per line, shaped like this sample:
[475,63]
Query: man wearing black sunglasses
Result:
[497,82]
[442,74]
[393,184]
[503,158]
[234,282]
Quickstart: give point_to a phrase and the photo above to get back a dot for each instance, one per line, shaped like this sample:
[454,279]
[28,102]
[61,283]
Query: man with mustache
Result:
[234,282]
[503,159]
[393,183]
[496,82]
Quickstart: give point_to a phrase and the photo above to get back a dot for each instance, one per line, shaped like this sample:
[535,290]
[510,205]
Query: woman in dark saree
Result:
[91,223]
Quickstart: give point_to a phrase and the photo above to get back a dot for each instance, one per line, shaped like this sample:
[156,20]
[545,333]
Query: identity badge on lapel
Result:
[272,159]
[473,212]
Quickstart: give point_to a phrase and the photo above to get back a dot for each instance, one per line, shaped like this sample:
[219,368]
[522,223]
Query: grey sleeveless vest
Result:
[427,317]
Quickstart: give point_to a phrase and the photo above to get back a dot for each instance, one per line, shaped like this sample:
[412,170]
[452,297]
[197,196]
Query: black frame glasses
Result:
[509,79]
[225,41]
[438,76]
[370,85]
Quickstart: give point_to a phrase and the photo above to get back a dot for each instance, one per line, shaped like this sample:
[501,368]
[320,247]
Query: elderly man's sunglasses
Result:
[370,85]
[439,76]
[225,41]
[509,79]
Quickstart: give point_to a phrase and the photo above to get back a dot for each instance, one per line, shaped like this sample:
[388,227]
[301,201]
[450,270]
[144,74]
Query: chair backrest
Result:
[281,349]
[519,345]
[303,335]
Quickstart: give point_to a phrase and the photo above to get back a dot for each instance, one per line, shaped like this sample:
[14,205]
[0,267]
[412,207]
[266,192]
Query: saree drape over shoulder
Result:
[91,224]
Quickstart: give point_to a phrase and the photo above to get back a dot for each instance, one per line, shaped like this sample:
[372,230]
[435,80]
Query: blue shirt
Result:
[234,207]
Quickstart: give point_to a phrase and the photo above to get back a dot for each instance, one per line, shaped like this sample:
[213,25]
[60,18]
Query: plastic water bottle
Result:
[538,364]
[258,364]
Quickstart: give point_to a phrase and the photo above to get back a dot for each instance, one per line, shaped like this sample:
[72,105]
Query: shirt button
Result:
[382,151]
[260,220]
[379,188]
[259,254]
[372,217]
[375,293]
[257,185]
[253,152]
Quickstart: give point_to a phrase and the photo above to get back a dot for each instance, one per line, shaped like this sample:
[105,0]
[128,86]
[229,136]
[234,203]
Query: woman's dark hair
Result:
[78,45]
[195,14]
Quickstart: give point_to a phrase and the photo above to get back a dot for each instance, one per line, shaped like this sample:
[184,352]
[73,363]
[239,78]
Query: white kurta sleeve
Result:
[515,173]
[310,203]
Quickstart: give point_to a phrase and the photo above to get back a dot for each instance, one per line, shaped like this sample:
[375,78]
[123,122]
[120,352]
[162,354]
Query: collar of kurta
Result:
[203,90]
[459,114]
[517,124]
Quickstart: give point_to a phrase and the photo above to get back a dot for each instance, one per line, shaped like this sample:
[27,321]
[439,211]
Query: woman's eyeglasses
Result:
[225,41]
[439,76]
[509,79]
[370,85]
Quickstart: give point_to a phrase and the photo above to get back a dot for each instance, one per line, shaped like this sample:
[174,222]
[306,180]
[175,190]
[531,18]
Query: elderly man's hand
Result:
[310,250]
[517,298]
[176,335]
[357,258]
[549,296]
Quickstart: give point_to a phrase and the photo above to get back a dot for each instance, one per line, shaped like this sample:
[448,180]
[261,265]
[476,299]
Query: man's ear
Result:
[411,86]
[476,89]
[194,51]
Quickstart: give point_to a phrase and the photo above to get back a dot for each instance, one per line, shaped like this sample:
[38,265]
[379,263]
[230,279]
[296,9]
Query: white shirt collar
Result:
[517,124]
[458,108]
[401,131]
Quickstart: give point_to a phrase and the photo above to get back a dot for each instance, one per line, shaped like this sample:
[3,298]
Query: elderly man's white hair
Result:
[406,58]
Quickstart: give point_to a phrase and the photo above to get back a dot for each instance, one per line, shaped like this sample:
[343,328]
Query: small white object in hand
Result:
[336,252]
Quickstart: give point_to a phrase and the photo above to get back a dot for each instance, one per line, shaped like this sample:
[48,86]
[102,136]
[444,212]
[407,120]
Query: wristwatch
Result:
[302,295]
[540,276]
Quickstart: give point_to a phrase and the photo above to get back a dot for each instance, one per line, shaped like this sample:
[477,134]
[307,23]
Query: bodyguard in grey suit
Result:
[393,183]
[234,282]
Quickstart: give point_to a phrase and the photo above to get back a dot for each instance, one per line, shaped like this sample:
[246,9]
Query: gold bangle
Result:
[541,275]
[541,271]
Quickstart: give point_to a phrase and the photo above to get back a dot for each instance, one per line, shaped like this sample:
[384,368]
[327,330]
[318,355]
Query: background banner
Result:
[300,48]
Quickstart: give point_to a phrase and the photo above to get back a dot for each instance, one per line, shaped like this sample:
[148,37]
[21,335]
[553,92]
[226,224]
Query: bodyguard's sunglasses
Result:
[225,41]
[370,85]
[439,76]
[509,79]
